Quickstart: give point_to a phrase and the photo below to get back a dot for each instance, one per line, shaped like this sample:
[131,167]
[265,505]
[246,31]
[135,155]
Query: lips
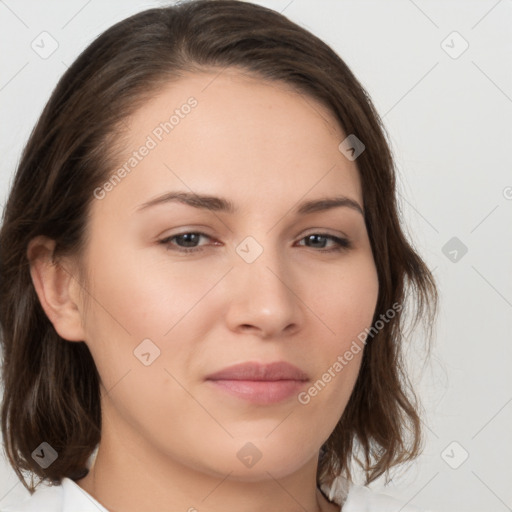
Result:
[261,384]
[280,370]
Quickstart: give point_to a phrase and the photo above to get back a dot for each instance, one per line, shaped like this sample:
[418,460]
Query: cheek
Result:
[133,300]
[345,302]
[340,352]
[347,299]
[146,296]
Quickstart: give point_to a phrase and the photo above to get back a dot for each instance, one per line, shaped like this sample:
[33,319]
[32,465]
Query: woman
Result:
[204,276]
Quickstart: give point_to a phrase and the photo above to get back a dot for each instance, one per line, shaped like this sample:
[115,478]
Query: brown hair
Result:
[51,386]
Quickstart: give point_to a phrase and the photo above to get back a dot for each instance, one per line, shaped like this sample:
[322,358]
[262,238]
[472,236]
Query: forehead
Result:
[225,133]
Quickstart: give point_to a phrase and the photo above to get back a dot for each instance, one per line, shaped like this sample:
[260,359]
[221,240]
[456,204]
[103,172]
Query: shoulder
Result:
[66,497]
[363,499]
[357,498]
[46,497]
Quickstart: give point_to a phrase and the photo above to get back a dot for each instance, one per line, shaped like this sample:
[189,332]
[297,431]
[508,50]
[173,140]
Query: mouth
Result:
[257,383]
[260,392]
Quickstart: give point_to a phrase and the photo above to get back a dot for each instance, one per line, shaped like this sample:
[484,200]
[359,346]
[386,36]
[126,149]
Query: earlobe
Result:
[54,283]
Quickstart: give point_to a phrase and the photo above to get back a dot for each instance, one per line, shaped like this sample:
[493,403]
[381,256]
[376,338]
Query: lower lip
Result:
[260,392]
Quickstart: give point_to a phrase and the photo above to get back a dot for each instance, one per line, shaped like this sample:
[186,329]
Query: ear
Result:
[56,288]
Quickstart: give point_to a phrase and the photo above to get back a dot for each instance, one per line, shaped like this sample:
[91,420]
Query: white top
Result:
[70,497]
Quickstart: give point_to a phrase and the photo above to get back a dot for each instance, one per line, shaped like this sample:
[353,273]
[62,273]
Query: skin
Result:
[170,439]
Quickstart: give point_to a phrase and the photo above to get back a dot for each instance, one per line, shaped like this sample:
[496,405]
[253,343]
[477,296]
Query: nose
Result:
[263,298]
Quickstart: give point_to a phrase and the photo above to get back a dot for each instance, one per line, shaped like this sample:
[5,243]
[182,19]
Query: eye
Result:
[184,242]
[319,241]
[189,242]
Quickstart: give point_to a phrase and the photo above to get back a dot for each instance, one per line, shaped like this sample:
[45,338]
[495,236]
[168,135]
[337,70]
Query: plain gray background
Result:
[439,74]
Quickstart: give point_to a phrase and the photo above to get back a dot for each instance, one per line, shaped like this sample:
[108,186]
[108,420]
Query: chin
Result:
[259,461]
[262,472]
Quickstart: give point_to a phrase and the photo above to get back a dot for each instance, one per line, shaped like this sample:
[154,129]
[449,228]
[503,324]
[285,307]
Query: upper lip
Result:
[279,370]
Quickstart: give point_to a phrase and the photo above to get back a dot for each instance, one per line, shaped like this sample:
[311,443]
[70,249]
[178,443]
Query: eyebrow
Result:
[220,204]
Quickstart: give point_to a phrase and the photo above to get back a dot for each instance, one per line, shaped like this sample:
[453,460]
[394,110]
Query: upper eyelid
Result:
[170,237]
[315,231]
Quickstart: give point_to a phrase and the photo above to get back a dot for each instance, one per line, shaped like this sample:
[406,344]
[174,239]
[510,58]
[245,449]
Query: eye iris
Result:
[190,239]
[317,239]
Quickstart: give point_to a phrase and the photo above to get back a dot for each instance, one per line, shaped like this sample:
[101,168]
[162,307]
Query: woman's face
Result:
[263,281]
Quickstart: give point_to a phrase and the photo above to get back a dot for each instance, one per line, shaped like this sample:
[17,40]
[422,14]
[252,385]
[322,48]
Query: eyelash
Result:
[343,244]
